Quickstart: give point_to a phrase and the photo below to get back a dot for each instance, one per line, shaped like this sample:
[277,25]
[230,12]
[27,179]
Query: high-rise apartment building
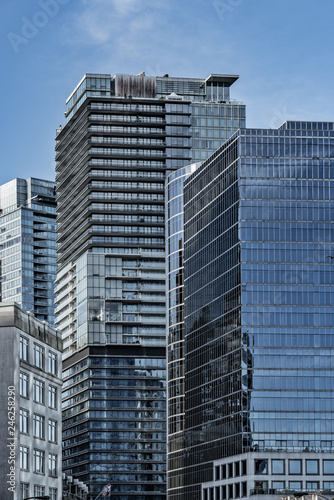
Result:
[123,134]
[30,413]
[259,356]
[28,246]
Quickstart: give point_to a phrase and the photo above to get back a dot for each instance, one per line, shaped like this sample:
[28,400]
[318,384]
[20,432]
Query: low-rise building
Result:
[30,406]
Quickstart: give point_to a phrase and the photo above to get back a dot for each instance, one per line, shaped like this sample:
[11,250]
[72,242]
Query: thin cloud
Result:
[115,21]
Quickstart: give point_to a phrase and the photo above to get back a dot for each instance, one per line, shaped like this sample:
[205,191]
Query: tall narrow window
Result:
[24,421]
[52,465]
[38,422]
[24,458]
[39,461]
[52,397]
[53,363]
[38,356]
[38,391]
[38,490]
[24,490]
[52,431]
[24,345]
[53,493]
[24,381]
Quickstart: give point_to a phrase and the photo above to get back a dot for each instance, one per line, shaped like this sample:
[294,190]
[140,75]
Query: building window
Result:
[52,465]
[277,467]
[52,397]
[295,466]
[326,445]
[24,421]
[53,493]
[38,422]
[38,490]
[261,487]
[38,356]
[53,363]
[24,490]
[38,391]
[52,431]
[312,485]
[24,382]
[329,485]
[24,345]
[329,467]
[39,461]
[24,458]
[278,485]
[244,489]
[295,485]
[261,466]
[243,467]
[312,466]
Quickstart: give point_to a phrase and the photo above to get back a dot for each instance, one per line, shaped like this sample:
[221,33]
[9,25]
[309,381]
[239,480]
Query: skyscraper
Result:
[123,134]
[28,245]
[175,320]
[259,363]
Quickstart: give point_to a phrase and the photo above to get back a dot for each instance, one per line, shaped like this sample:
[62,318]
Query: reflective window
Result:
[261,466]
[52,465]
[38,457]
[38,387]
[52,362]
[24,345]
[312,485]
[52,431]
[38,426]
[39,356]
[24,382]
[295,466]
[24,490]
[295,485]
[312,466]
[53,493]
[24,421]
[38,490]
[24,457]
[278,485]
[52,397]
[277,467]
[328,466]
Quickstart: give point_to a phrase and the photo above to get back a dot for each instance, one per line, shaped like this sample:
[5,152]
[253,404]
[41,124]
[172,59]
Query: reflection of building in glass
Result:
[123,134]
[175,317]
[28,245]
[259,320]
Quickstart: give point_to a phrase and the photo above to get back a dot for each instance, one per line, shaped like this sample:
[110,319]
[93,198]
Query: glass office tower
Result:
[259,343]
[28,246]
[175,318]
[123,134]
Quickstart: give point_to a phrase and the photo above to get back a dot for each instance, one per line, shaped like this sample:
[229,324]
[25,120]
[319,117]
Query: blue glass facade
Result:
[118,398]
[28,246]
[259,360]
[175,314]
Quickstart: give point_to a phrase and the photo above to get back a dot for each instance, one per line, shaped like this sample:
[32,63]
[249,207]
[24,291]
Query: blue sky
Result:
[282,50]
